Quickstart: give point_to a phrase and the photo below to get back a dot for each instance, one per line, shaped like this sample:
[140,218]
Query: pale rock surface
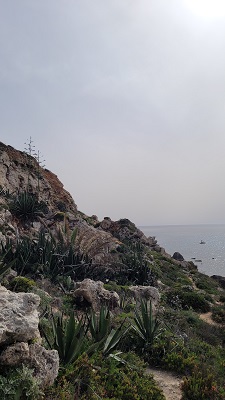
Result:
[45,363]
[18,316]
[95,295]
[147,293]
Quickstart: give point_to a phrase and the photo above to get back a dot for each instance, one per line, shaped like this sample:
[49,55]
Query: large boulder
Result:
[177,256]
[146,293]
[18,316]
[45,363]
[94,294]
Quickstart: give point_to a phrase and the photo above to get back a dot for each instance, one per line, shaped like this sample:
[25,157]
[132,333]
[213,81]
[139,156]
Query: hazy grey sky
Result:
[124,98]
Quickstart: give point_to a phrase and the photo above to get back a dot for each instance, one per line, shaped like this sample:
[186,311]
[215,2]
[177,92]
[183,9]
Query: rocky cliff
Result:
[20,172]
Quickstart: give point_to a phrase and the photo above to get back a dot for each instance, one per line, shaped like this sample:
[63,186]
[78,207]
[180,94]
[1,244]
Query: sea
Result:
[209,256]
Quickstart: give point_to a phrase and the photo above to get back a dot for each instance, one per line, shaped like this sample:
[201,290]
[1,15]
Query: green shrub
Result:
[19,384]
[218,314]
[201,386]
[26,207]
[222,298]
[21,284]
[107,378]
[186,299]
[205,283]
[179,361]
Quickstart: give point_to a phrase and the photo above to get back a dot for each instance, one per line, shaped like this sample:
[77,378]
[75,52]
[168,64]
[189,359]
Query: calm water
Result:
[186,239]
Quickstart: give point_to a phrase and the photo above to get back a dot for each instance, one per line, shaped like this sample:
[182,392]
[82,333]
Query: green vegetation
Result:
[187,299]
[218,314]
[145,324]
[5,265]
[26,207]
[97,377]
[19,384]
[103,354]
[21,284]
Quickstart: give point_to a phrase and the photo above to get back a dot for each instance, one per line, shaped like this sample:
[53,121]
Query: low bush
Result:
[222,298]
[19,384]
[21,284]
[218,314]
[187,300]
[201,386]
[107,378]
[205,283]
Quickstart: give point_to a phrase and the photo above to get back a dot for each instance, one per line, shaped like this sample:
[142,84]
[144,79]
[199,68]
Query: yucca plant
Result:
[99,325]
[113,340]
[145,324]
[105,338]
[26,206]
[68,337]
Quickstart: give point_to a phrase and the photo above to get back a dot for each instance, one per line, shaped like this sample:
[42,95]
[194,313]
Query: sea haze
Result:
[186,240]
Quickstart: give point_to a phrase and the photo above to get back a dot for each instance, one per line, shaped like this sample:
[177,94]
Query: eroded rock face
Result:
[21,172]
[15,168]
[147,293]
[94,294]
[125,230]
[18,316]
[45,363]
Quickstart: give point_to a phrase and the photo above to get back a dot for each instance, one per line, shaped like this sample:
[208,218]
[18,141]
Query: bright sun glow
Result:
[209,9]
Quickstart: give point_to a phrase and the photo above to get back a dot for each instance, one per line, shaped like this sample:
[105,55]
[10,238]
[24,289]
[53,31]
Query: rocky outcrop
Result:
[177,256]
[18,326]
[44,363]
[20,171]
[92,293]
[18,316]
[98,244]
[123,229]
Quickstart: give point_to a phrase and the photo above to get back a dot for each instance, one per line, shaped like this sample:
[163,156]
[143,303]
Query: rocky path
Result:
[168,382]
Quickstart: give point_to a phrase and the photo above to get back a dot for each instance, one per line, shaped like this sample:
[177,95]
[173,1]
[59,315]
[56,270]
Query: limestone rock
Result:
[14,173]
[94,294]
[15,354]
[18,316]
[147,293]
[45,363]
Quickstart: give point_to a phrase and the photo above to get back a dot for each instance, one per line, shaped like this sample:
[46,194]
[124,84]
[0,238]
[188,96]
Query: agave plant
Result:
[99,325]
[68,337]
[105,338]
[113,340]
[145,324]
[26,206]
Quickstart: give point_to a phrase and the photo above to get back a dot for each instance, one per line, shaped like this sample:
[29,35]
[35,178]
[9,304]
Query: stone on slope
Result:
[45,363]
[18,316]
[94,294]
[147,293]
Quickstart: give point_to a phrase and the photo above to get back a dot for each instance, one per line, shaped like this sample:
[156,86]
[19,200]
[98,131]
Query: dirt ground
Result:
[168,382]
